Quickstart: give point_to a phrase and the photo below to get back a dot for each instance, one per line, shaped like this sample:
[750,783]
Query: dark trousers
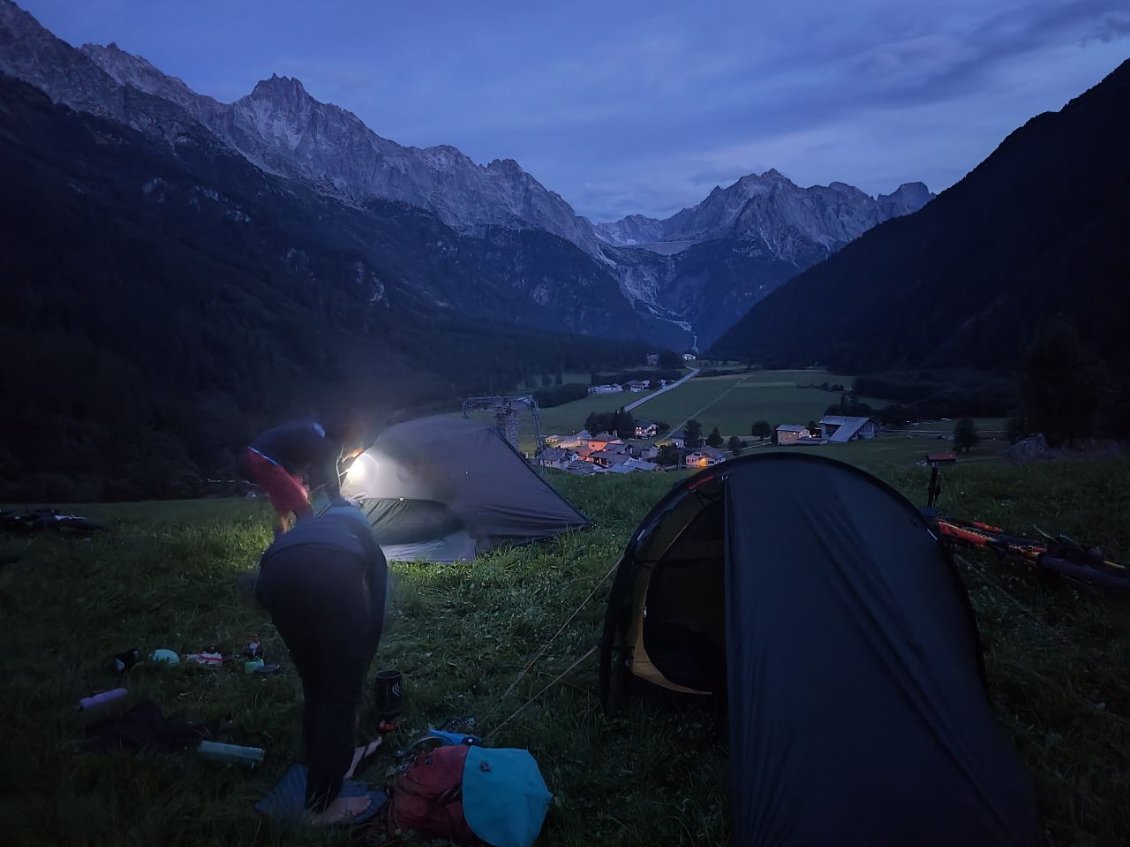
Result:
[328,606]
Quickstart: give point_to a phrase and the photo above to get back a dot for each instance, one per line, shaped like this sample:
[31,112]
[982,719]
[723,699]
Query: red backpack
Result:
[428,796]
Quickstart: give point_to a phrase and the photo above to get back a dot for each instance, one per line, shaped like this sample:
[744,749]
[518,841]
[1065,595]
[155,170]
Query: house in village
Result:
[637,385]
[652,359]
[556,457]
[610,458]
[836,429]
[705,457]
[610,388]
[580,468]
[633,465]
[646,429]
[678,438]
[792,434]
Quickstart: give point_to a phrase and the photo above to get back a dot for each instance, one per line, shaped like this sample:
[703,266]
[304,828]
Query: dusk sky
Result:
[625,107]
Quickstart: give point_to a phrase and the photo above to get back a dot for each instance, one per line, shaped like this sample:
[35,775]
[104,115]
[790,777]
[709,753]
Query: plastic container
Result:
[164,657]
[102,698]
[232,754]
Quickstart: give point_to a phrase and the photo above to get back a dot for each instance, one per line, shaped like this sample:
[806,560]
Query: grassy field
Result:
[731,403]
[166,576]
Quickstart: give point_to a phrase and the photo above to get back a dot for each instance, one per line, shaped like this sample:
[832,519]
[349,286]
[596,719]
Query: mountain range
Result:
[706,265]
[1034,234]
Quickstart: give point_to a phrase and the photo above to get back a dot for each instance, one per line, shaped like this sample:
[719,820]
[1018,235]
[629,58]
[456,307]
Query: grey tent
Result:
[444,488]
[816,600]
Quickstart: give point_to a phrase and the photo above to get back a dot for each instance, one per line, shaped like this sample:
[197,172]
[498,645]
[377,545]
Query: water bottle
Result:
[232,754]
[101,699]
[254,648]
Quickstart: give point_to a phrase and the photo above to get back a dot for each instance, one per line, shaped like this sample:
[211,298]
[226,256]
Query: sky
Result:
[626,107]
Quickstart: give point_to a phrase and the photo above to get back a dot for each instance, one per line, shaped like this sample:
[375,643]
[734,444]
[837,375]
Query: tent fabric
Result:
[858,708]
[441,480]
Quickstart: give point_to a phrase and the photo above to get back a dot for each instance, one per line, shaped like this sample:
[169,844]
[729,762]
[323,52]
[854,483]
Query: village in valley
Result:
[617,442]
[585,453]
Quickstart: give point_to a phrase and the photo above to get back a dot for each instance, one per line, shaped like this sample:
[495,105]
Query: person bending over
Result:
[277,460]
[324,585]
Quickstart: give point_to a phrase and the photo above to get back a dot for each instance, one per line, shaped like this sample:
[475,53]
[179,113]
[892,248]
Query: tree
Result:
[546,381]
[965,435]
[653,384]
[715,438]
[1060,386]
[736,445]
[693,434]
[813,429]
[625,425]
[668,455]
[761,429]
[669,359]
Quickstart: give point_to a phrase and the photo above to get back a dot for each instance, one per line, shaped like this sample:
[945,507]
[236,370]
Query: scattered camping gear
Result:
[144,727]
[232,754]
[443,488]
[102,698]
[209,658]
[387,697]
[428,795]
[1059,554]
[1063,555]
[815,597]
[164,657]
[287,800]
[471,795]
[125,660]
[32,520]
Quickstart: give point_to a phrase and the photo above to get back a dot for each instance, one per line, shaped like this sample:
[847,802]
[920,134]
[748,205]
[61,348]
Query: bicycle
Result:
[1059,553]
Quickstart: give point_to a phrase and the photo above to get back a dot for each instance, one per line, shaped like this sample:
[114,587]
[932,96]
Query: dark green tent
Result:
[444,488]
[816,600]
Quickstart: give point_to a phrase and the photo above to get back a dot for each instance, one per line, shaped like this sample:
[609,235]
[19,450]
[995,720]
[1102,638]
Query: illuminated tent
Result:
[445,488]
[815,600]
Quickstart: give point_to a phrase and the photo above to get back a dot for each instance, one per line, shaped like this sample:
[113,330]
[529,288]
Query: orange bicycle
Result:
[1054,553]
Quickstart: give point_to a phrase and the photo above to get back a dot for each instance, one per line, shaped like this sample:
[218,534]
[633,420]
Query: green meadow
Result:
[167,575]
[731,403]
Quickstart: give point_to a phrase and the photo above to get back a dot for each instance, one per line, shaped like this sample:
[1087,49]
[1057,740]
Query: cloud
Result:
[1110,27]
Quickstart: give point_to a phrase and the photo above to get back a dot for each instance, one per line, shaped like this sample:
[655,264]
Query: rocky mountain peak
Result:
[279,89]
[906,199]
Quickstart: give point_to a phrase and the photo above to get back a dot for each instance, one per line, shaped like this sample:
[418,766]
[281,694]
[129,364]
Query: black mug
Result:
[125,660]
[387,694]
